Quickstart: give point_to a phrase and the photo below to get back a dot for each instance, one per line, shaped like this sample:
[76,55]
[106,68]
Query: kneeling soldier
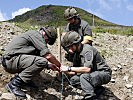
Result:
[27,55]
[89,69]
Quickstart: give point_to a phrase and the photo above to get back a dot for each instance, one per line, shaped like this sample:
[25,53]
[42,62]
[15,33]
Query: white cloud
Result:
[2,16]
[130,7]
[20,12]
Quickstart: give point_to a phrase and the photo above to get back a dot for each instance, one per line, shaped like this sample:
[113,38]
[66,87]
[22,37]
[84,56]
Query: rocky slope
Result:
[116,49]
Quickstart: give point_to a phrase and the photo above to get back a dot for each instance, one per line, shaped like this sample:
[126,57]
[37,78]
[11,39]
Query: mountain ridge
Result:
[53,15]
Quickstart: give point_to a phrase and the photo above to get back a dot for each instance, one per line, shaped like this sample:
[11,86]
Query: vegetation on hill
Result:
[53,16]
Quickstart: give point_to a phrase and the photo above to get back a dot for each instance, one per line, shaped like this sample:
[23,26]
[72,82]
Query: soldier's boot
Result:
[14,86]
[99,90]
[32,85]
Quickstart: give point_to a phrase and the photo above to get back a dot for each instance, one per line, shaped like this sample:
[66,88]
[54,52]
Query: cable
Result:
[62,84]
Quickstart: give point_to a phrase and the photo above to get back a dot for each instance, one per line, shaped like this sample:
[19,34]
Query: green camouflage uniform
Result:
[25,55]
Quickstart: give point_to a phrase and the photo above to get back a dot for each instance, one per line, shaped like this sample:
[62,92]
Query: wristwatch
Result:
[69,69]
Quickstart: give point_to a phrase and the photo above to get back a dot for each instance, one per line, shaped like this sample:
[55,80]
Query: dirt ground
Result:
[116,49]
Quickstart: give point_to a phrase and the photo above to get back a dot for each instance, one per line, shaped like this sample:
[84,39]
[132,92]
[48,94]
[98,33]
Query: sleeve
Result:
[101,64]
[40,44]
[88,58]
[87,30]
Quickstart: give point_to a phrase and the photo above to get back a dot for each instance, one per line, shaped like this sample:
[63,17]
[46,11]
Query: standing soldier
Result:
[77,24]
[89,69]
[28,55]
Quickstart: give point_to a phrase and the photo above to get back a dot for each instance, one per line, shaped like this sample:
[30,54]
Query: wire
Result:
[62,84]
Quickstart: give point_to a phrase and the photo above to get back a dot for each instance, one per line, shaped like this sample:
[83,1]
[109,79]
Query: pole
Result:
[59,43]
[93,21]
[59,53]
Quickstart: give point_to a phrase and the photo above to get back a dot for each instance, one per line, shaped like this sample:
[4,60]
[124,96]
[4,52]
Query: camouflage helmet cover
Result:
[70,13]
[71,38]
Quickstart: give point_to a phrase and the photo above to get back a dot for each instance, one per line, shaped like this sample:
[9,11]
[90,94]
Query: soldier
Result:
[89,69]
[77,24]
[80,26]
[27,55]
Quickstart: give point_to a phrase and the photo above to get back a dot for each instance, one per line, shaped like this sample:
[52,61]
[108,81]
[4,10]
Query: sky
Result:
[116,11]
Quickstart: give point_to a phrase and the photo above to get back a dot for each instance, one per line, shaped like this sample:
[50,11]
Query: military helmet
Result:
[51,34]
[71,38]
[70,13]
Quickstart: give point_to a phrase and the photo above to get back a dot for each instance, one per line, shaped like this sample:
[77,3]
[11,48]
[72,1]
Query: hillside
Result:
[116,49]
[53,15]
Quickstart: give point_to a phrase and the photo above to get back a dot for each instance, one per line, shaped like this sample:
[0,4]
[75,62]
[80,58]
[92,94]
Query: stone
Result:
[126,78]
[119,66]
[115,69]
[128,86]
[7,96]
[112,80]
[130,49]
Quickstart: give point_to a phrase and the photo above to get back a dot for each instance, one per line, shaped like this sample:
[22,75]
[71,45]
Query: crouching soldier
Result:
[89,69]
[27,55]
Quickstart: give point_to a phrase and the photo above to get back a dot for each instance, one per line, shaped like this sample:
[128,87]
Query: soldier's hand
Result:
[64,68]
[53,67]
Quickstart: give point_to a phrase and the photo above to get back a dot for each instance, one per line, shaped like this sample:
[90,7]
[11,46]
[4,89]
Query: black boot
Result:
[99,90]
[14,86]
[31,84]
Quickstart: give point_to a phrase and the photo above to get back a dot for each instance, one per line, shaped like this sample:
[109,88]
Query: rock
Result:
[119,66]
[7,96]
[79,91]
[12,33]
[0,93]
[130,49]
[123,64]
[69,97]
[128,86]
[126,78]
[77,97]
[112,80]
[28,97]
[115,69]
[0,74]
